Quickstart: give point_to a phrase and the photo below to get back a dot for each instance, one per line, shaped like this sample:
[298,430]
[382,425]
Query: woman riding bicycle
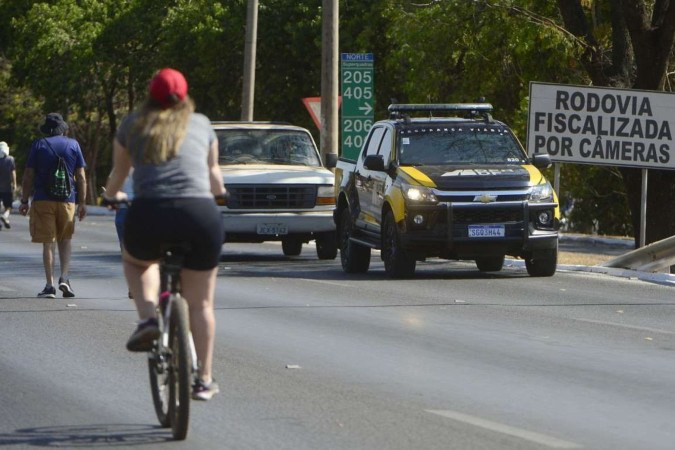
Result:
[174,153]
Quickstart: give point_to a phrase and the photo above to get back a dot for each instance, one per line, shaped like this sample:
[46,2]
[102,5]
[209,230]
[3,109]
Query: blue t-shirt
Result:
[43,161]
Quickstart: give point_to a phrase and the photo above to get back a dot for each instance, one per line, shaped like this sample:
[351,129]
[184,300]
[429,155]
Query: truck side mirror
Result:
[331,160]
[541,160]
[374,162]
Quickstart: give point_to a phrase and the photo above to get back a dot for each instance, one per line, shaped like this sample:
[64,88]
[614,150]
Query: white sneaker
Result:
[204,392]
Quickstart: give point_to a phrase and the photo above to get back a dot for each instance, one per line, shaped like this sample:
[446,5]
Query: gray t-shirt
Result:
[184,176]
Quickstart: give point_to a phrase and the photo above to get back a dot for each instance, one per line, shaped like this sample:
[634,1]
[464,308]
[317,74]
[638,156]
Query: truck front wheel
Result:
[490,264]
[542,263]
[291,246]
[326,245]
[355,258]
[397,262]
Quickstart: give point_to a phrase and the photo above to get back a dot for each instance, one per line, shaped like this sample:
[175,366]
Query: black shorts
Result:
[6,199]
[153,222]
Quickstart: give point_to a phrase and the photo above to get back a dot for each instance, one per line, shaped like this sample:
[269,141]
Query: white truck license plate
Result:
[272,228]
[486,231]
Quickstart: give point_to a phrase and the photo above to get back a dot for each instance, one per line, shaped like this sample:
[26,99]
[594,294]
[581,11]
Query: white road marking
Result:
[6,289]
[630,327]
[531,436]
[332,283]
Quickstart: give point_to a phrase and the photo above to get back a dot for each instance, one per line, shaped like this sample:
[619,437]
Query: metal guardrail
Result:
[655,257]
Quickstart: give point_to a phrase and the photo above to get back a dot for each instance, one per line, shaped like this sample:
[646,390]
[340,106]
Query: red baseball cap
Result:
[168,87]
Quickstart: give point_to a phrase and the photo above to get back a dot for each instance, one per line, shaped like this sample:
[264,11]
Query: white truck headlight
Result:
[542,193]
[325,195]
[419,194]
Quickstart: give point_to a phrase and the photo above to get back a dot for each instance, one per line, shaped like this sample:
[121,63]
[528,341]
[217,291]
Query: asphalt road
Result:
[310,358]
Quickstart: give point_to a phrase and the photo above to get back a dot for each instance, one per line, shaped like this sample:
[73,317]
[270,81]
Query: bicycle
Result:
[172,362]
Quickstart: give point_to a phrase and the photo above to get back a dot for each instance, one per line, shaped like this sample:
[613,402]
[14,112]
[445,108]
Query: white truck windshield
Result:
[266,146]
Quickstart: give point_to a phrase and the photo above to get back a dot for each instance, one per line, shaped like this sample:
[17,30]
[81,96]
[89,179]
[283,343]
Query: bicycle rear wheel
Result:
[180,373]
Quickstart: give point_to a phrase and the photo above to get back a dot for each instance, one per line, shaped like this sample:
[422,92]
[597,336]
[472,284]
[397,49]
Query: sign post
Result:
[358,101]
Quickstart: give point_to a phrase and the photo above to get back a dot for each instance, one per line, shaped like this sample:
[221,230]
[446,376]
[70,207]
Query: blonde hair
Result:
[162,130]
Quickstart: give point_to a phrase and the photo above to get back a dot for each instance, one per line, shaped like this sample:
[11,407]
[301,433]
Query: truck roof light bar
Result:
[400,110]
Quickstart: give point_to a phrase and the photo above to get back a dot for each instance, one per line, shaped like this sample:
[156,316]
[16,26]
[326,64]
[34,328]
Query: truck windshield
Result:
[266,146]
[464,144]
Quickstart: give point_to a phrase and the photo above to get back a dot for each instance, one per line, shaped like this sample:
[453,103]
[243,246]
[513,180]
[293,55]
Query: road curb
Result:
[593,240]
[627,243]
[666,279]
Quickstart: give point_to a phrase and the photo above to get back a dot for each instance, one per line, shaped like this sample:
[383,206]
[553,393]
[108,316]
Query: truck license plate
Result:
[486,231]
[272,228]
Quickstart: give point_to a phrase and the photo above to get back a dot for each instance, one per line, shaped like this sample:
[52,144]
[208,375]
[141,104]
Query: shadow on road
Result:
[87,436]
[258,265]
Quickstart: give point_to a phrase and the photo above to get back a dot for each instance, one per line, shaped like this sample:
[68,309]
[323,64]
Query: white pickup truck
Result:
[278,189]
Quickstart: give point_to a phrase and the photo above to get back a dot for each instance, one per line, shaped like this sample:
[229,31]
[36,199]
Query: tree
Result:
[429,51]
[289,60]
[629,43]
[53,54]
[91,60]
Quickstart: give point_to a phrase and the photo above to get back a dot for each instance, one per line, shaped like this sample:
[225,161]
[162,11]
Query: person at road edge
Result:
[52,221]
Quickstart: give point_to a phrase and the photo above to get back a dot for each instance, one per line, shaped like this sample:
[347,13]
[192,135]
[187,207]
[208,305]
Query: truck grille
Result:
[270,196]
[487,215]
[515,197]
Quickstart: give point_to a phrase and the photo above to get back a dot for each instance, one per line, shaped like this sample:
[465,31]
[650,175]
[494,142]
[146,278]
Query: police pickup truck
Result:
[453,184]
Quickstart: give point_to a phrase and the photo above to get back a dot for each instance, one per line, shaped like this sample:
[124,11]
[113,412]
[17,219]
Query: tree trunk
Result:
[646,65]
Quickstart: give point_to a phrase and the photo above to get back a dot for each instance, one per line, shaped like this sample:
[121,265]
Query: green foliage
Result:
[92,59]
[19,114]
[594,201]
[202,39]
[288,60]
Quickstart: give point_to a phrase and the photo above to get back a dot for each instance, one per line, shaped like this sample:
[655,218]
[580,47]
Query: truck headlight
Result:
[419,194]
[325,195]
[542,193]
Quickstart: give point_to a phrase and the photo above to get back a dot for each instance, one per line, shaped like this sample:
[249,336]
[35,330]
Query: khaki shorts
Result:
[51,221]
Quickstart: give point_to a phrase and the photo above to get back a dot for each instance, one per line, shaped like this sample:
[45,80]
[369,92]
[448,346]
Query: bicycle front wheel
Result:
[180,373]
[158,367]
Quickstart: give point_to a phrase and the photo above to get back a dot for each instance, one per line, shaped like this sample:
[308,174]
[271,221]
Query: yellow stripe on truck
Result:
[397,203]
[536,178]
[418,176]
[535,174]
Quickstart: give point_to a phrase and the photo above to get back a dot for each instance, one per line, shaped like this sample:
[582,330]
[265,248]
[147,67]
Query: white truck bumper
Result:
[287,223]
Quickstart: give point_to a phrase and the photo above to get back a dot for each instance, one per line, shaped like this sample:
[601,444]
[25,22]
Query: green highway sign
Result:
[358,101]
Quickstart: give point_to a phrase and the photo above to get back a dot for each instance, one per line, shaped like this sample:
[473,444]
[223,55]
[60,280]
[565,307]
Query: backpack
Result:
[59,185]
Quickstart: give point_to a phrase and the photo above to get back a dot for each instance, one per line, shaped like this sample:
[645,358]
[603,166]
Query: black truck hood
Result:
[448,177]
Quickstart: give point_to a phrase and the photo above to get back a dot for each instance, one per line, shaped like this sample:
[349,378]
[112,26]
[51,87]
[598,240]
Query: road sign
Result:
[602,126]
[313,105]
[358,101]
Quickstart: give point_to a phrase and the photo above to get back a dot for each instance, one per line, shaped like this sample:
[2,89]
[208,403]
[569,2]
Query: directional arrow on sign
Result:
[366,109]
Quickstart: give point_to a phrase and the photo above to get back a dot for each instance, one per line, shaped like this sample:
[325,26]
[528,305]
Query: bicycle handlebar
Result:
[114,203]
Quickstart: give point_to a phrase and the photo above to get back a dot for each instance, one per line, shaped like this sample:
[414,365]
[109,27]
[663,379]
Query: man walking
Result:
[7,183]
[52,220]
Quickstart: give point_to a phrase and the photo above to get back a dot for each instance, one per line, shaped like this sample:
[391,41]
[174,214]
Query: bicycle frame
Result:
[170,268]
